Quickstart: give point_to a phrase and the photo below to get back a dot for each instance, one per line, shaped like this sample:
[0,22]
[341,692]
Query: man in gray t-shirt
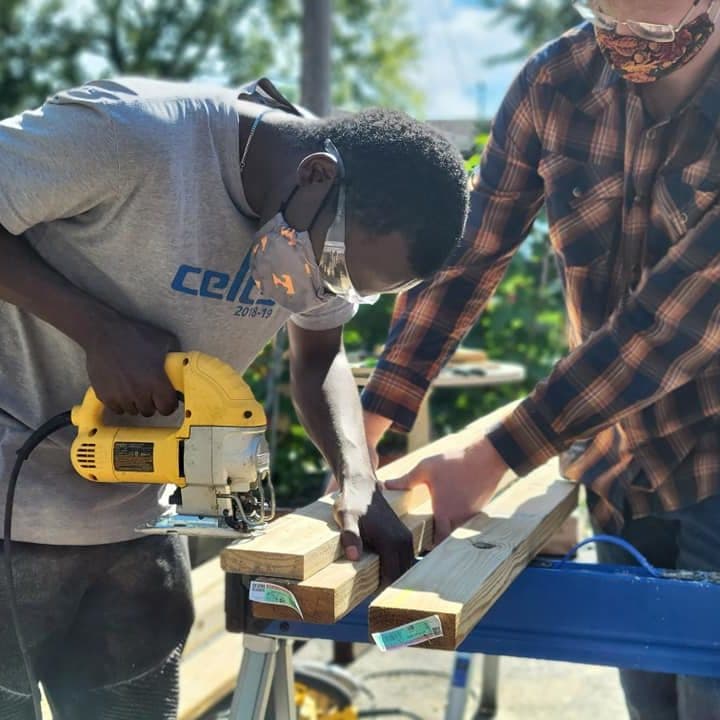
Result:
[137,217]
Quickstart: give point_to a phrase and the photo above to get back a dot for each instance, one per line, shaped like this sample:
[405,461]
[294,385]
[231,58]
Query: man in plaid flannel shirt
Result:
[615,126]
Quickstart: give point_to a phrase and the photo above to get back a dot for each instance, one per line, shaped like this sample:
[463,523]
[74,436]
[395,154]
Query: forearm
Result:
[375,427]
[327,403]
[28,282]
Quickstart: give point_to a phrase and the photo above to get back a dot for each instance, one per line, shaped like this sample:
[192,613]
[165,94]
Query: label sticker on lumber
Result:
[413,633]
[271,594]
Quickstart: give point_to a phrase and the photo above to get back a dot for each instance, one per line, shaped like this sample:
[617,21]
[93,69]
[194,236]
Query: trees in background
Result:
[52,44]
[535,21]
[39,46]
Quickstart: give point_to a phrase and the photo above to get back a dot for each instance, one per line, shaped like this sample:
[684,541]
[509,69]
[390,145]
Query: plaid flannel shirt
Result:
[634,223]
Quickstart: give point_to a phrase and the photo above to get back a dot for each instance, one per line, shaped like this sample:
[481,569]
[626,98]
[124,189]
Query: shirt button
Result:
[683,218]
[650,134]
[638,199]
[577,192]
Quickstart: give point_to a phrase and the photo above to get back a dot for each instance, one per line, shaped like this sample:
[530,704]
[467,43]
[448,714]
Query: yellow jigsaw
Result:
[218,458]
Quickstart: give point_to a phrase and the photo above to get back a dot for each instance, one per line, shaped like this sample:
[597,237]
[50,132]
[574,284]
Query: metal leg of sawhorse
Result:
[265,687]
[489,686]
[265,681]
[462,680]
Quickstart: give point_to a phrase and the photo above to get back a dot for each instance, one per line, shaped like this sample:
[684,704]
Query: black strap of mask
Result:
[320,208]
[340,177]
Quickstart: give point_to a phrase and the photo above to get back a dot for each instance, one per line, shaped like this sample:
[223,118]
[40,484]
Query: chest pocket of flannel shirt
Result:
[584,207]
[684,195]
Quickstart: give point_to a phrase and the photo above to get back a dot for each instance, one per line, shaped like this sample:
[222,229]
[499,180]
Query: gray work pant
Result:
[685,539]
[105,625]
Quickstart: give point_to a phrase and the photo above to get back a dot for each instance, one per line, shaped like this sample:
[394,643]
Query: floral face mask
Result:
[643,61]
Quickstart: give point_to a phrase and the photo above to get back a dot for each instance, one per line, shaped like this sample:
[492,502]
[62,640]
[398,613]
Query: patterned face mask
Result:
[283,262]
[644,61]
[284,268]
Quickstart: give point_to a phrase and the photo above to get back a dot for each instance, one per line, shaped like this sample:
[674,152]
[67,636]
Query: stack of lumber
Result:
[457,582]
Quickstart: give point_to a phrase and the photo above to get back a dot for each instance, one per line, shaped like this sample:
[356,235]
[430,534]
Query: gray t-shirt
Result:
[131,189]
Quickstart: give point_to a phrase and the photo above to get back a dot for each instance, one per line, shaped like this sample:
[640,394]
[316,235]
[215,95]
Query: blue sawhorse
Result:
[554,610]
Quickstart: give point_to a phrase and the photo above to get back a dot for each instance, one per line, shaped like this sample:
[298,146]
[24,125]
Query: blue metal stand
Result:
[593,614]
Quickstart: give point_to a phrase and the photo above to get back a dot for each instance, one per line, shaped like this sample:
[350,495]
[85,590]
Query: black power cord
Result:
[46,429]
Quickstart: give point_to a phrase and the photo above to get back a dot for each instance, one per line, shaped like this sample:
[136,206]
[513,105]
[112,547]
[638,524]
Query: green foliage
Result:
[165,38]
[474,160]
[373,39]
[371,53]
[52,44]
[40,42]
[523,323]
[535,21]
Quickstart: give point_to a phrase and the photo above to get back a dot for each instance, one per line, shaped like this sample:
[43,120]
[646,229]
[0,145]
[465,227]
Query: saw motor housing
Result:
[218,458]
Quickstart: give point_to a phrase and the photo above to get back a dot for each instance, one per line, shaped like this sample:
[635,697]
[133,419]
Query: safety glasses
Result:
[654,32]
[333,266]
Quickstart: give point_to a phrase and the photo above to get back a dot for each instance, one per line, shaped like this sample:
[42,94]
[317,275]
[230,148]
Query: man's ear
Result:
[319,167]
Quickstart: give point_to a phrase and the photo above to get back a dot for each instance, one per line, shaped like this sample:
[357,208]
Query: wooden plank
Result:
[209,620]
[335,590]
[208,581]
[206,576]
[209,675]
[300,544]
[464,575]
[563,539]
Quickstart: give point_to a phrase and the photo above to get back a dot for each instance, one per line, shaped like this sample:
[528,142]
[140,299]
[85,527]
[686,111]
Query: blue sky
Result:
[456,39]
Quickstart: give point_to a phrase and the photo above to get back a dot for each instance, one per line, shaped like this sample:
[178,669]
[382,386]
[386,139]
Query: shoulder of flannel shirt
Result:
[571,64]
[571,67]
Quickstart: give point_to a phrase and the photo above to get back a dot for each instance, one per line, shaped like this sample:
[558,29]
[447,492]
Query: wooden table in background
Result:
[465,375]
